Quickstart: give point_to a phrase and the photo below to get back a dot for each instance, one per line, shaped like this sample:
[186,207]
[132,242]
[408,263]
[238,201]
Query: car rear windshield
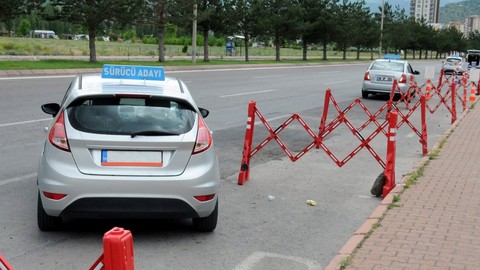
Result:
[131,115]
[384,65]
[453,60]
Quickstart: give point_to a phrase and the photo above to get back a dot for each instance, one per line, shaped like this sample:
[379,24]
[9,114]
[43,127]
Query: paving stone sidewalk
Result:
[436,224]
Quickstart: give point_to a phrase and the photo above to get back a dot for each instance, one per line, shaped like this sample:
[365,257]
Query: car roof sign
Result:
[391,56]
[133,72]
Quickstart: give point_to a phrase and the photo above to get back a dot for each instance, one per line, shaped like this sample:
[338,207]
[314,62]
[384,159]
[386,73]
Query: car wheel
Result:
[208,223]
[46,222]
[364,94]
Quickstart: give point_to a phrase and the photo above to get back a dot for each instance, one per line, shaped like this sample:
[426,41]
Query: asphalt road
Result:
[264,224]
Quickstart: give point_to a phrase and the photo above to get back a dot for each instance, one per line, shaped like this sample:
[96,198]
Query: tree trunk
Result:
[324,44]
[161,31]
[205,45]
[91,45]
[277,48]
[246,40]
[304,49]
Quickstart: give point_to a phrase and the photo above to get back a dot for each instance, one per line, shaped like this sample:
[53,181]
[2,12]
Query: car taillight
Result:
[205,198]
[54,196]
[367,76]
[204,138]
[403,79]
[58,135]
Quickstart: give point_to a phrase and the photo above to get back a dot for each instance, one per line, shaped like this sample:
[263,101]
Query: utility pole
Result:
[194,35]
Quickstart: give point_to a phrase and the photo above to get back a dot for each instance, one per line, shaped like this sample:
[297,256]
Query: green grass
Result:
[35,48]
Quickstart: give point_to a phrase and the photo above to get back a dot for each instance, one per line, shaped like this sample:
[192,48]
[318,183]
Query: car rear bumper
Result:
[128,196]
[376,88]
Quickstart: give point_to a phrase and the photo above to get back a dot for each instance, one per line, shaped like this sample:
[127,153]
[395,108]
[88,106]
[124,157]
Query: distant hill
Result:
[457,12]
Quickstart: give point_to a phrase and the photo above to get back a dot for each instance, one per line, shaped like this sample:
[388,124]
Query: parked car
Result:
[129,143]
[380,75]
[453,64]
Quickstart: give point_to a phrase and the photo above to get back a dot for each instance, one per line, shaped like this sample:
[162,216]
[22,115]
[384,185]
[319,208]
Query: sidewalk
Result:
[436,222]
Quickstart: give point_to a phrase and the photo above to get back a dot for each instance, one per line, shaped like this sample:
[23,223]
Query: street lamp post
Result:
[381,29]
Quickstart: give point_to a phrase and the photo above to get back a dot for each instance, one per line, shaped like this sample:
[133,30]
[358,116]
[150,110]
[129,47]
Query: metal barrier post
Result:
[424,139]
[391,152]
[321,129]
[4,263]
[454,103]
[244,173]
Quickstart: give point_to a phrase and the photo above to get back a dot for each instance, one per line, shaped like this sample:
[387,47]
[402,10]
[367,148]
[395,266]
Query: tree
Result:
[349,15]
[10,9]
[279,21]
[474,40]
[244,18]
[156,13]
[24,28]
[96,15]
[211,17]
[312,15]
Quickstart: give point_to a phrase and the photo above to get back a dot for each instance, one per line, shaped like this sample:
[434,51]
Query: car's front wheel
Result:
[46,222]
[208,223]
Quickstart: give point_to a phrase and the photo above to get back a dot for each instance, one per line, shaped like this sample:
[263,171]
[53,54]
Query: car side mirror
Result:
[416,72]
[51,108]
[204,112]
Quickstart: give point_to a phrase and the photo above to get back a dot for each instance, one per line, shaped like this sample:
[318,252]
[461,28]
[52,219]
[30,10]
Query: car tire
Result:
[364,94]
[46,222]
[208,223]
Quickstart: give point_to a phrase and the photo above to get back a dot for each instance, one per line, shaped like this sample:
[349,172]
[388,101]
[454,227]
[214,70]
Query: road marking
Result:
[17,179]
[250,262]
[336,82]
[271,76]
[24,122]
[36,77]
[248,93]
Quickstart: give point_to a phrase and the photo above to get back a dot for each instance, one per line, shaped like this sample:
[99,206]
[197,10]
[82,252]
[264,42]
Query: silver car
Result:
[453,64]
[380,75]
[129,143]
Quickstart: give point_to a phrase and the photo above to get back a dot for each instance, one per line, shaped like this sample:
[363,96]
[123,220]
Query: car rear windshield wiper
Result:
[153,133]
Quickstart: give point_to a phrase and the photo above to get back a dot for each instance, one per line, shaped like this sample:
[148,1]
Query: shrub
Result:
[185,49]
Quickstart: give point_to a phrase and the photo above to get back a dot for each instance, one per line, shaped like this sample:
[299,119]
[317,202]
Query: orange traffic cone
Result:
[428,88]
[473,92]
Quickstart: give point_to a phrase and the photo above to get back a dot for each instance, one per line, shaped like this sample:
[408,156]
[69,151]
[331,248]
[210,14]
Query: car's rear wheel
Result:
[208,223]
[46,222]
[364,94]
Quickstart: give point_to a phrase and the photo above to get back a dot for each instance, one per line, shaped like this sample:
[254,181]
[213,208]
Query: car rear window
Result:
[130,115]
[384,65]
[453,60]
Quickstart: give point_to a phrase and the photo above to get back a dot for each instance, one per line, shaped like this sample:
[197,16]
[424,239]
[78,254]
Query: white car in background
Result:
[453,64]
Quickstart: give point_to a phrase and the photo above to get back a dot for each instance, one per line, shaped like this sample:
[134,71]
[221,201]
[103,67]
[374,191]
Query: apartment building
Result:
[428,10]
[472,24]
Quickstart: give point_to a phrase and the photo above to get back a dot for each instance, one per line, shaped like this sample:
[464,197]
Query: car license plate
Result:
[132,158]
[384,79]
